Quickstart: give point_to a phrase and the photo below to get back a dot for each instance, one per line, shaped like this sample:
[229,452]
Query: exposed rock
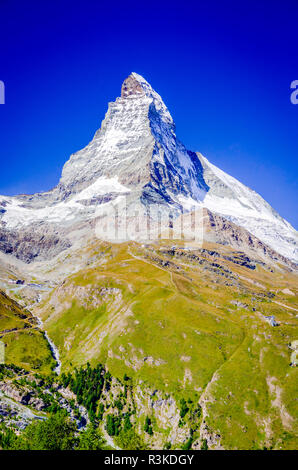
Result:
[239,304]
[19,394]
[287,291]
[131,86]
[218,229]
[33,242]
[271,320]
[294,355]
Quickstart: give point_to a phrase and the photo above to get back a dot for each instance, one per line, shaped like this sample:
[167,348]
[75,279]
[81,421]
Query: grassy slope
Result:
[168,321]
[25,344]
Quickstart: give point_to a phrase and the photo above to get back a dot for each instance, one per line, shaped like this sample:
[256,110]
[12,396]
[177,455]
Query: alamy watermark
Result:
[125,220]
[2,92]
[294,94]
[293,97]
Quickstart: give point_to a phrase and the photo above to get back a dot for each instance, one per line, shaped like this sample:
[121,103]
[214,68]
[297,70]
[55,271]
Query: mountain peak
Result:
[136,85]
[132,85]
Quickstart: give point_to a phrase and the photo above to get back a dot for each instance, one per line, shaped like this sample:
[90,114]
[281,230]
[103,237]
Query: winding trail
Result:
[286,306]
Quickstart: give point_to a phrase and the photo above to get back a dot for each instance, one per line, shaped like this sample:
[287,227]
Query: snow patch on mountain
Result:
[17,216]
[243,206]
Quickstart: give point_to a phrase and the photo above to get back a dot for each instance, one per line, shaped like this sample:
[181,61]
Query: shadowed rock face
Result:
[27,245]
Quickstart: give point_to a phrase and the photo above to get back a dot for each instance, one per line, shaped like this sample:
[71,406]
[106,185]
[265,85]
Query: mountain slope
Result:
[25,344]
[186,324]
[192,338]
[246,208]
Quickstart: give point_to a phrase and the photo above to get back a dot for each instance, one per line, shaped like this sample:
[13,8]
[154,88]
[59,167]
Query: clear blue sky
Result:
[223,69]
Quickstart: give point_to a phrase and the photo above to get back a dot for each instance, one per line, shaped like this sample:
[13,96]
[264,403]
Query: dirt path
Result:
[286,306]
[156,266]
[15,330]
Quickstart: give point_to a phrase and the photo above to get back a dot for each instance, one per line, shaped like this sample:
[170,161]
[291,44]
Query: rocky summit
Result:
[149,294]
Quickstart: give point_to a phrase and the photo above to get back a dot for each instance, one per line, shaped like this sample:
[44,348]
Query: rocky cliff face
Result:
[218,229]
[244,207]
[137,143]
[135,160]
[27,245]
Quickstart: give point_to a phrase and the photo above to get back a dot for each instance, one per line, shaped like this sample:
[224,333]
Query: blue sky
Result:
[224,70]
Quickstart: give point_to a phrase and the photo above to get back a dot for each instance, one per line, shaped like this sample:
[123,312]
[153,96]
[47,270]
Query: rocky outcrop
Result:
[22,395]
[131,86]
[294,355]
[32,243]
[16,415]
[218,229]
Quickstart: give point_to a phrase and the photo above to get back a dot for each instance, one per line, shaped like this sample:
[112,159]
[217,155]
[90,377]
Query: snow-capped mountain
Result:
[136,155]
[137,143]
[246,208]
